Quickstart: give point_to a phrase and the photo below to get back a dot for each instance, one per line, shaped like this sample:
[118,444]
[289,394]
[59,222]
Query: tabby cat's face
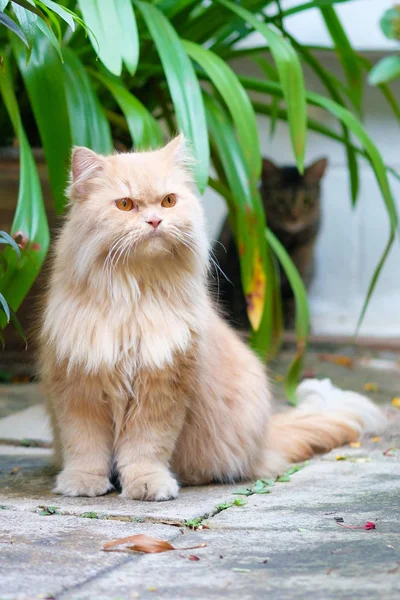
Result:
[291,200]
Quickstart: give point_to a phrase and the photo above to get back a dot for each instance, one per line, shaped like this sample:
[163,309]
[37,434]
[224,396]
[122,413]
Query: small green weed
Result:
[47,511]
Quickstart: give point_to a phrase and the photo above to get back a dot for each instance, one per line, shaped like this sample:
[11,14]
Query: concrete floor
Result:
[286,544]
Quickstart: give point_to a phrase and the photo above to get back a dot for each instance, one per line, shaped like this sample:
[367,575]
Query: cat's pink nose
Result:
[154,222]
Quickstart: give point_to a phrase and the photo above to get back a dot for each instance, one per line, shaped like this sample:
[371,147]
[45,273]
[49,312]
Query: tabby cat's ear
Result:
[315,172]
[269,169]
[85,164]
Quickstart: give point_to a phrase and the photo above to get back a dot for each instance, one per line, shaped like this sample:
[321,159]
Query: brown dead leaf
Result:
[193,557]
[144,543]
[337,359]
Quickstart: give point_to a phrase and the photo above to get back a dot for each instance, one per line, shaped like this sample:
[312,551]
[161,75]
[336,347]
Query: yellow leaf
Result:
[396,402]
[256,295]
[371,387]
[376,439]
[355,444]
[341,457]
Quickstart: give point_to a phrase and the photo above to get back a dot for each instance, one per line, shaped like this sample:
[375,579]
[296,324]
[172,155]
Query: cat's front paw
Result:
[157,486]
[78,483]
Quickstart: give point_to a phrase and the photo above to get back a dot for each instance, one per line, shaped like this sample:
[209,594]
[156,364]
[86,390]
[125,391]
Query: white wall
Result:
[351,241]
[359,18]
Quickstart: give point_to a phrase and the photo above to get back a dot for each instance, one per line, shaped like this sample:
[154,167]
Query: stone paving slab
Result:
[43,555]
[282,545]
[29,424]
[15,397]
[242,564]
[26,482]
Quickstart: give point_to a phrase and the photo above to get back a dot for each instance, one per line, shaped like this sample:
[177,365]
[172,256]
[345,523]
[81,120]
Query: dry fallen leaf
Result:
[371,387]
[396,402]
[355,444]
[337,359]
[144,543]
[376,439]
[193,557]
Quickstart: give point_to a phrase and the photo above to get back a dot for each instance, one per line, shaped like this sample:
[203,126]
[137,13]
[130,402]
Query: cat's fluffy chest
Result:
[133,328]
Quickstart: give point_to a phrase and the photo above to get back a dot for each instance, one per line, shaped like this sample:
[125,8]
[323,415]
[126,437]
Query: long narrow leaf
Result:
[89,126]
[144,129]
[30,223]
[65,16]
[302,322]
[129,37]
[246,207]
[12,26]
[346,55]
[104,32]
[371,153]
[236,99]
[183,86]
[291,77]
[44,81]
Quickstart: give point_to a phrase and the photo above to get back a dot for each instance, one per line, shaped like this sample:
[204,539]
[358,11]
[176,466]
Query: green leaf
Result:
[128,32]
[183,86]
[44,82]
[65,16]
[390,23]
[28,23]
[306,6]
[12,26]
[28,5]
[302,320]
[144,129]
[246,214]
[5,308]
[290,75]
[89,126]
[240,502]
[237,101]
[17,325]
[7,239]
[386,91]
[346,55]
[385,70]
[104,32]
[30,222]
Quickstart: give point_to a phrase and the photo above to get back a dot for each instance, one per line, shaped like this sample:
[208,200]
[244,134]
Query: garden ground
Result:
[290,543]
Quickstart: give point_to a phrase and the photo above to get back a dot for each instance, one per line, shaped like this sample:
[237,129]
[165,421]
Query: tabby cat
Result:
[292,206]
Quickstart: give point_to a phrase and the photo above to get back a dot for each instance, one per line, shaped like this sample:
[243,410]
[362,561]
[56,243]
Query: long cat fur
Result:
[142,375]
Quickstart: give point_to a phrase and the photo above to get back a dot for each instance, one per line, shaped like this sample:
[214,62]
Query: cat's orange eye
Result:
[124,204]
[169,201]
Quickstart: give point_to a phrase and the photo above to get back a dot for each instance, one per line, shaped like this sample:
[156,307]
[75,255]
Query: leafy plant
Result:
[95,71]
[388,68]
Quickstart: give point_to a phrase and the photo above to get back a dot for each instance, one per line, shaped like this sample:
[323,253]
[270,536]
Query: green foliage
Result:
[129,70]
[388,68]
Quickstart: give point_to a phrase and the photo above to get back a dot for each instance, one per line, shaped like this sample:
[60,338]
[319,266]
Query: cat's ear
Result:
[269,169]
[178,149]
[85,164]
[315,172]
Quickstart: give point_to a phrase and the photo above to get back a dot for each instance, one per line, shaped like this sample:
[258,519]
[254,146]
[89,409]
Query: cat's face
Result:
[292,201]
[134,206]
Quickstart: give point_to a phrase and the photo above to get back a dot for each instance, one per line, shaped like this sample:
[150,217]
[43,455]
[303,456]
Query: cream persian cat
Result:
[142,375]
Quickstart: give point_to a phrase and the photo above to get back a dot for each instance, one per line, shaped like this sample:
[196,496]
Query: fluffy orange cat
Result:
[142,375]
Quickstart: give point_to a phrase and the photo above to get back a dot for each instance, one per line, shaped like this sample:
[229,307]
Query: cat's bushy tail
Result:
[325,418]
